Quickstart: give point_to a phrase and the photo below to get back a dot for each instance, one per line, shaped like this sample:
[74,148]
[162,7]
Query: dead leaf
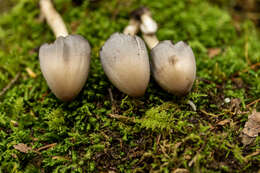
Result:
[235,105]
[238,81]
[252,128]
[246,140]
[22,148]
[212,52]
[35,139]
[14,155]
[187,157]
[223,122]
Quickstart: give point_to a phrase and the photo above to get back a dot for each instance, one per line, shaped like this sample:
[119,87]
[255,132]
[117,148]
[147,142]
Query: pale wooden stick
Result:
[10,84]
[53,18]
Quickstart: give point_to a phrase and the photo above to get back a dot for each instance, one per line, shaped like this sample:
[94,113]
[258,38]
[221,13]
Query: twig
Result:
[122,118]
[195,158]
[53,18]
[254,66]
[257,152]
[10,84]
[210,114]
[111,95]
[256,101]
[113,107]
[46,147]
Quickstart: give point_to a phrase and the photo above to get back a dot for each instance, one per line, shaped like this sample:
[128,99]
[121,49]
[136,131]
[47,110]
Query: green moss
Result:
[158,132]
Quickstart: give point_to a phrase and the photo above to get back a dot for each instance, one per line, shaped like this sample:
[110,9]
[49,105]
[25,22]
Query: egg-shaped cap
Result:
[173,66]
[125,61]
[65,65]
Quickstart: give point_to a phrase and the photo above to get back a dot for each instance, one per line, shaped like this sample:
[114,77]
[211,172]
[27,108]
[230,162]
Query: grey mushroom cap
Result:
[126,63]
[173,66]
[65,65]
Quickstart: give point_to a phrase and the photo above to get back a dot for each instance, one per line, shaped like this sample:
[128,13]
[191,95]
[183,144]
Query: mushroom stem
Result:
[148,26]
[53,18]
[132,28]
[151,40]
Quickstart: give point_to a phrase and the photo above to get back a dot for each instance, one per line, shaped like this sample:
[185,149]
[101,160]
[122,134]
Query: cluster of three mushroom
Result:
[124,57]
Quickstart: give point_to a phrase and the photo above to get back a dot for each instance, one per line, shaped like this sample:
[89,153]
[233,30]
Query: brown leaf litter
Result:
[251,129]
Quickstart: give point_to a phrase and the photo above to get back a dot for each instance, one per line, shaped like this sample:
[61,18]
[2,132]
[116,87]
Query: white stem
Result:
[132,28]
[149,28]
[53,18]
[151,40]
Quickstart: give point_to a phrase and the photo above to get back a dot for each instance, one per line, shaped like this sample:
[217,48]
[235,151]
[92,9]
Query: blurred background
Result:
[242,9]
[239,9]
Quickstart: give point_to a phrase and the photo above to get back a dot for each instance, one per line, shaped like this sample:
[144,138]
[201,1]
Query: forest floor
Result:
[158,132]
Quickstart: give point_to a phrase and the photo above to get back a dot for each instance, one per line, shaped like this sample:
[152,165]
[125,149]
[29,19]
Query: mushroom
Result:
[125,61]
[64,63]
[173,65]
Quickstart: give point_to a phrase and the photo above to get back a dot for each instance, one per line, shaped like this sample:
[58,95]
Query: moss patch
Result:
[158,132]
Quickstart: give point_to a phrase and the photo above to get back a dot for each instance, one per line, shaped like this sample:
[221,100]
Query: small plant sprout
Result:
[125,61]
[64,63]
[173,65]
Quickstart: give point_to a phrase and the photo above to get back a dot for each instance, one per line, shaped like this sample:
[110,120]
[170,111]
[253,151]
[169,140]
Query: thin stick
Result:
[209,114]
[256,101]
[111,95]
[113,107]
[46,147]
[122,118]
[252,67]
[53,18]
[10,84]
